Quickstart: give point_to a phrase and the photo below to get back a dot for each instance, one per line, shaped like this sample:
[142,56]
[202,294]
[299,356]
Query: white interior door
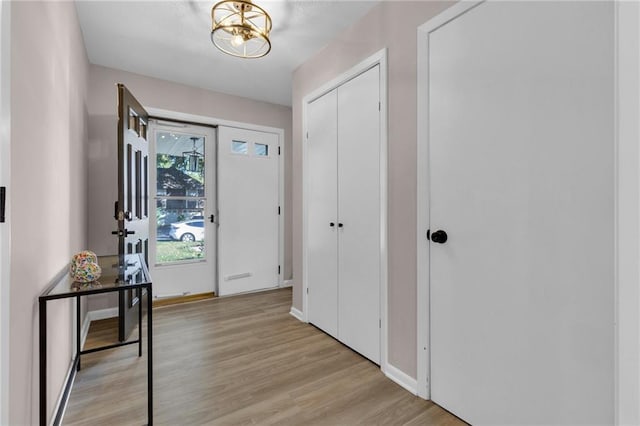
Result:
[183,189]
[359,213]
[5,253]
[249,211]
[322,213]
[522,177]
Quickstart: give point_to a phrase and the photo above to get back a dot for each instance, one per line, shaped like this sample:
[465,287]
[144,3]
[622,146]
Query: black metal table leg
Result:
[149,356]
[78,327]
[43,362]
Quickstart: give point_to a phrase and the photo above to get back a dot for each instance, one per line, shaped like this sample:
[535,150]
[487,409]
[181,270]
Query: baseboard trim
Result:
[102,314]
[182,299]
[63,399]
[297,314]
[287,283]
[401,378]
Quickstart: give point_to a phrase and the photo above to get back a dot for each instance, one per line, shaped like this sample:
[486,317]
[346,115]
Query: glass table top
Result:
[134,275]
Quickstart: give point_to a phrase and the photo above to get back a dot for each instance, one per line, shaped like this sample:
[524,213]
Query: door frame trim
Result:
[627,213]
[5,180]
[422,274]
[627,206]
[213,121]
[378,58]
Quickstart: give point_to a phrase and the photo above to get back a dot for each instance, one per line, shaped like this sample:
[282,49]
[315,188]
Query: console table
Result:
[135,277]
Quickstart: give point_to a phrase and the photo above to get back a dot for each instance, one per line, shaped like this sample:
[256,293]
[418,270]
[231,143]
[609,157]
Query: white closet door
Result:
[248,210]
[359,213]
[322,211]
[521,139]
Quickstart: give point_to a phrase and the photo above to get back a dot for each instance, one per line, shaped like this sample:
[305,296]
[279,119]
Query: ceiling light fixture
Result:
[241,28]
[192,158]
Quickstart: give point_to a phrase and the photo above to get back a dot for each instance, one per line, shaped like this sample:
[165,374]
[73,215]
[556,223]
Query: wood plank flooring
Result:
[241,360]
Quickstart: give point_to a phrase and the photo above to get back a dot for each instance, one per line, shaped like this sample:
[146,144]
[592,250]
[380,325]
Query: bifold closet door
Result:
[322,243]
[359,213]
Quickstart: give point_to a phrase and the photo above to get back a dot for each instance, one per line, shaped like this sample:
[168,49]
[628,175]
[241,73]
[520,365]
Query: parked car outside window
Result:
[189,230]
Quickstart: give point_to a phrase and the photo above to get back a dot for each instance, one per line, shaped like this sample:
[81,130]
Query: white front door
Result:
[183,189]
[248,184]
[521,145]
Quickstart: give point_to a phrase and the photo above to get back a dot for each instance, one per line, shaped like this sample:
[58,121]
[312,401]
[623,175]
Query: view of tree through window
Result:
[180,201]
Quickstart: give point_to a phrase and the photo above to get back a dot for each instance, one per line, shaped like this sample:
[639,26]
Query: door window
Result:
[180,197]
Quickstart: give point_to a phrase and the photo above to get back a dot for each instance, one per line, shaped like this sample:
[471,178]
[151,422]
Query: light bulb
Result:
[237,40]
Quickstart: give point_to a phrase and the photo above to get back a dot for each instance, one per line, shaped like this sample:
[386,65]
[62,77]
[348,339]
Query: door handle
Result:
[340,225]
[212,219]
[3,199]
[122,233]
[331,224]
[439,236]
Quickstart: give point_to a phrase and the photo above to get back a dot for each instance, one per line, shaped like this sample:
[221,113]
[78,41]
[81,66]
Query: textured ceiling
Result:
[171,40]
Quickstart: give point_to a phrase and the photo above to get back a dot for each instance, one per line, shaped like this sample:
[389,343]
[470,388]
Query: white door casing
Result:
[249,211]
[322,228]
[359,213]
[519,104]
[628,213]
[187,277]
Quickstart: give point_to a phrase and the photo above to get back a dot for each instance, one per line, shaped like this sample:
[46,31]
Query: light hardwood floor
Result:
[239,360]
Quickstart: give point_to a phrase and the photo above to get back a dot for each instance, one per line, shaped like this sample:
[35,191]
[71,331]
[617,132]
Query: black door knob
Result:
[439,237]
[331,224]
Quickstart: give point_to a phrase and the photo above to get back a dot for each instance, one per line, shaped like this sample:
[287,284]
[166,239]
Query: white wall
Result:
[49,69]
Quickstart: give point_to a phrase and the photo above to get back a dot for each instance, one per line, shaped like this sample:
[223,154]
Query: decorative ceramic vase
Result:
[84,267]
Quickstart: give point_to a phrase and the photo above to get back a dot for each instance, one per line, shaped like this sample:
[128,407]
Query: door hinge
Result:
[307,290]
[278,210]
[379,106]
[3,202]
[278,150]
[278,269]
[379,322]
[307,135]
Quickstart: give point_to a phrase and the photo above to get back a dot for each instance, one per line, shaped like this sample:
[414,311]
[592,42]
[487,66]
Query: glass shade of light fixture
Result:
[193,157]
[241,28]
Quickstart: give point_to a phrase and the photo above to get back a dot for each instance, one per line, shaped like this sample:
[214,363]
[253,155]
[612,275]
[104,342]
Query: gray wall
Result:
[49,70]
[152,92]
[392,25]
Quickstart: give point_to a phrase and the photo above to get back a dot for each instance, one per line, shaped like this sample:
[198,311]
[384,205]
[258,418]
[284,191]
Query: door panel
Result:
[183,256]
[322,211]
[521,164]
[133,198]
[359,213]
[248,185]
